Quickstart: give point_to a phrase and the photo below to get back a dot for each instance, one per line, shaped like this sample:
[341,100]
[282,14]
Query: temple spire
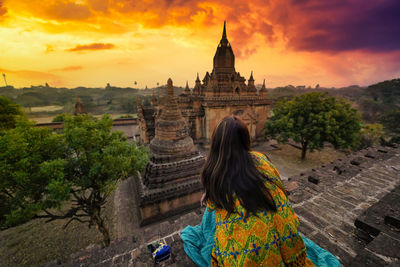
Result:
[263,90]
[224,31]
[170,88]
[187,89]
[224,59]
[251,77]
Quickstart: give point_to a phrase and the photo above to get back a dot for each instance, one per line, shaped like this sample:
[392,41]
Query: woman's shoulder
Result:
[261,160]
[264,165]
[258,155]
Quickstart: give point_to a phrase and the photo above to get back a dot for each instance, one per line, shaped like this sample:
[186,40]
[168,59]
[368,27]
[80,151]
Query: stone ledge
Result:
[328,199]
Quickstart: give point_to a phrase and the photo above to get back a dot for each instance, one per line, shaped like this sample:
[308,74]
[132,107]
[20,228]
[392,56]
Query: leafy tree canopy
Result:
[312,119]
[387,92]
[39,170]
[391,121]
[9,113]
[59,117]
[32,163]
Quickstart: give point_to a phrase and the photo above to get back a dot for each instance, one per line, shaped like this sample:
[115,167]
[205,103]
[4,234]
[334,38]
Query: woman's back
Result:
[268,238]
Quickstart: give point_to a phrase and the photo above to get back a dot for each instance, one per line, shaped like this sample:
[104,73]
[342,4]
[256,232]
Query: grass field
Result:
[46,118]
[45,109]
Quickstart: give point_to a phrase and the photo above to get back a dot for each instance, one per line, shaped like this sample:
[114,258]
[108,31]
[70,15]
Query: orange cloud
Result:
[3,10]
[99,5]
[302,24]
[70,68]
[94,46]
[67,11]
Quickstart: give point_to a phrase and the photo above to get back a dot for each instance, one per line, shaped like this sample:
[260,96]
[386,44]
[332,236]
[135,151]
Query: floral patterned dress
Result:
[268,239]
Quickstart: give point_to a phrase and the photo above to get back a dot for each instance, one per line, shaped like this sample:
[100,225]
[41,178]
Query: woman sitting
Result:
[255,224]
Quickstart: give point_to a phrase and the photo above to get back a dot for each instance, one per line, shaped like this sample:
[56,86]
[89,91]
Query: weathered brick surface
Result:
[385,245]
[329,200]
[367,259]
[335,249]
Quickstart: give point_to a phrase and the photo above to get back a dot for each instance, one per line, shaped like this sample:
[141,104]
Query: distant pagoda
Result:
[171,181]
[79,109]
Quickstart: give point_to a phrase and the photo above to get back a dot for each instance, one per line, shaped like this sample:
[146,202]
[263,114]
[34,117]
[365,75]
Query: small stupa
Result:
[171,181]
[79,109]
[263,90]
[187,89]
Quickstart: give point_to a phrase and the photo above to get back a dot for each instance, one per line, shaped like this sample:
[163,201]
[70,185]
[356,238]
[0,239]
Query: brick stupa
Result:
[171,182]
[79,109]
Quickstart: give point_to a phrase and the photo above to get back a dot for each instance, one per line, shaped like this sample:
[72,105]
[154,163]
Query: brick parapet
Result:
[328,199]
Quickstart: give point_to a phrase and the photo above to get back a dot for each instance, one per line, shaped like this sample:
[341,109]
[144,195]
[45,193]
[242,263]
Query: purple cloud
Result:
[346,25]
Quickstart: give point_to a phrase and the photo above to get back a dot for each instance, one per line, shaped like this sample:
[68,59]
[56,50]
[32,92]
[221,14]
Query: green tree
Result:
[312,119]
[31,173]
[83,165]
[370,135]
[10,113]
[129,105]
[391,121]
[59,117]
[98,158]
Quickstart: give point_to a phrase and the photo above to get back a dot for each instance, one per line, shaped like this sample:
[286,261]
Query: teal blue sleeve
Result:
[198,240]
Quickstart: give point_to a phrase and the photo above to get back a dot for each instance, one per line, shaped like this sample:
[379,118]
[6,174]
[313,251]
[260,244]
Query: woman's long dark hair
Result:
[229,170]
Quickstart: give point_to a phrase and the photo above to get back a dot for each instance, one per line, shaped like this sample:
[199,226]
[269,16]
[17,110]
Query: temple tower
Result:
[79,109]
[224,59]
[171,181]
[220,93]
[224,80]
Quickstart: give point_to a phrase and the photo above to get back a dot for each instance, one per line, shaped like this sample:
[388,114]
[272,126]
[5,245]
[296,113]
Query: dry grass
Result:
[46,118]
[287,159]
[37,242]
[45,109]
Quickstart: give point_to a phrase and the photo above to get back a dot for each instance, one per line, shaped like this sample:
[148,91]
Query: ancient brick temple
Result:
[221,93]
[171,181]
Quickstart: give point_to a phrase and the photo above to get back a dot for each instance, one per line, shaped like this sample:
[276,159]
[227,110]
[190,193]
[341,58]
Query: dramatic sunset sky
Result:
[300,42]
